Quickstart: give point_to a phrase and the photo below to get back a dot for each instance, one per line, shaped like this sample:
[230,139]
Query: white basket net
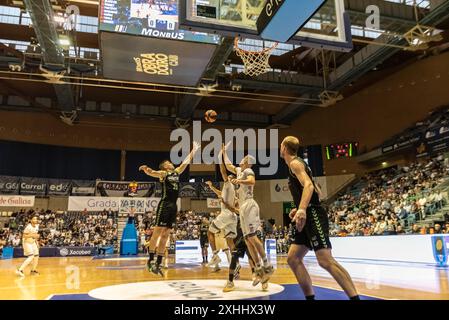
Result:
[255,62]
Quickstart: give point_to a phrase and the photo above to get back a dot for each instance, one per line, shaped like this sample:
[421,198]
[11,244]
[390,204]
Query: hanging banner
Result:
[120,204]
[125,189]
[188,190]
[57,187]
[83,188]
[17,201]
[95,204]
[9,185]
[33,186]
[213,203]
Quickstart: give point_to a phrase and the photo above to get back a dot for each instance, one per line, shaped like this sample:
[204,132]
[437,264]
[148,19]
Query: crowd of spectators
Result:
[81,229]
[390,201]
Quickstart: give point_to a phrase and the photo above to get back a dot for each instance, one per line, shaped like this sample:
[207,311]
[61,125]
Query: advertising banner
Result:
[213,203]
[16,201]
[83,188]
[9,185]
[125,189]
[57,187]
[120,204]
[154,60]
[279,191]
[33,186]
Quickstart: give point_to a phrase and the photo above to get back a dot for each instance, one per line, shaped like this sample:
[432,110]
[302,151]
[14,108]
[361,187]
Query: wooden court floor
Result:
[79,275]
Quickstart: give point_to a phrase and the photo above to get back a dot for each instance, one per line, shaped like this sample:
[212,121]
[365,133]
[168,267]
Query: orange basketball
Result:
[210,116]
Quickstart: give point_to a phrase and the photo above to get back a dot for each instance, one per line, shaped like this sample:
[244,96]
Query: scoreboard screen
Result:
[150,18]
[342,150]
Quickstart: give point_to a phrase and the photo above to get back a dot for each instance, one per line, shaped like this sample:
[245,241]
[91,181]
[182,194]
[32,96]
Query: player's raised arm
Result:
[249,181]
[223,171]
[153,173]
[226,160]
[215,190]
[188,159]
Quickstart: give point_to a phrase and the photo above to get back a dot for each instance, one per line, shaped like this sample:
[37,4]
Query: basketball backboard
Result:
[329,28]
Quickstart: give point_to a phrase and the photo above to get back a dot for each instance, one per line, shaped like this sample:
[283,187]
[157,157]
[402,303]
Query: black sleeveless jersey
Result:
[170,187]
[203,231]
[296,188]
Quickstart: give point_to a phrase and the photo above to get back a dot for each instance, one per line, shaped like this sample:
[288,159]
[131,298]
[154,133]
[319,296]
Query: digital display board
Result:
[154,60]
[151,18]
[342,150]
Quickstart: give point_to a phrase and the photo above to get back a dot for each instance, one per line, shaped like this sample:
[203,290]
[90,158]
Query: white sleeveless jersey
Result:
[245,192]
[228,195]
[30,229]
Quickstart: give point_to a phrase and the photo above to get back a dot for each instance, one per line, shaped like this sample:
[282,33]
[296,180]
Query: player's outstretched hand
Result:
[209,183]
[196,146]
[234,181]
[143,168]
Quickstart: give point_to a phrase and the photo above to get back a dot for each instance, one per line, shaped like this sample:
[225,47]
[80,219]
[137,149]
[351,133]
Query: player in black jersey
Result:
[312,225]
[166,211]
[204,239]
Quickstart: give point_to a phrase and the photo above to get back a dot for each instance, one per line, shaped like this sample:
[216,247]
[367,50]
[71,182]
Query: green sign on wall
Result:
[288,206]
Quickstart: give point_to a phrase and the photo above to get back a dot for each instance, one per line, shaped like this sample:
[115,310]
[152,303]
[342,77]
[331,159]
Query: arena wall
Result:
[367,117]
[377,112]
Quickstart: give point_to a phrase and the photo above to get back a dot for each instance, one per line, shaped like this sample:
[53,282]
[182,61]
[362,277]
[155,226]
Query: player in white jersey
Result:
[30,247]
[249,215]
[226,221]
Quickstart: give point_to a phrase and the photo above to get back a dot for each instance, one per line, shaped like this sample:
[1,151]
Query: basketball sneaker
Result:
[229,287]
[20,273]
[216,268]
[150,265]
[257,276]
[157,270]
[215,260]
[267,273]
[265,286]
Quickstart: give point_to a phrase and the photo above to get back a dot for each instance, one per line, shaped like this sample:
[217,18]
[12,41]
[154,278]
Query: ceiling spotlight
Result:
[64,41]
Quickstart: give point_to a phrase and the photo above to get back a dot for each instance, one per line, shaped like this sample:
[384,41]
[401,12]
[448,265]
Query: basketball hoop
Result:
[255,62]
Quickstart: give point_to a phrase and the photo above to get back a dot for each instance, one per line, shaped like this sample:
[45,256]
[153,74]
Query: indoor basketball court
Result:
[130,128]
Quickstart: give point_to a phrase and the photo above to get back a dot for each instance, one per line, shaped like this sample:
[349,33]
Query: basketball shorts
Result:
[315,234]
[30,249]
[166,214]
[249,217]
[226,221]
[239,247]
[204,242]
[220,241]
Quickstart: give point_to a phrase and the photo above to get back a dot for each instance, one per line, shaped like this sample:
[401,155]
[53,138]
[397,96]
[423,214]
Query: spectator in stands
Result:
[437,229]
[389,198]
[400,230]
[415,229]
